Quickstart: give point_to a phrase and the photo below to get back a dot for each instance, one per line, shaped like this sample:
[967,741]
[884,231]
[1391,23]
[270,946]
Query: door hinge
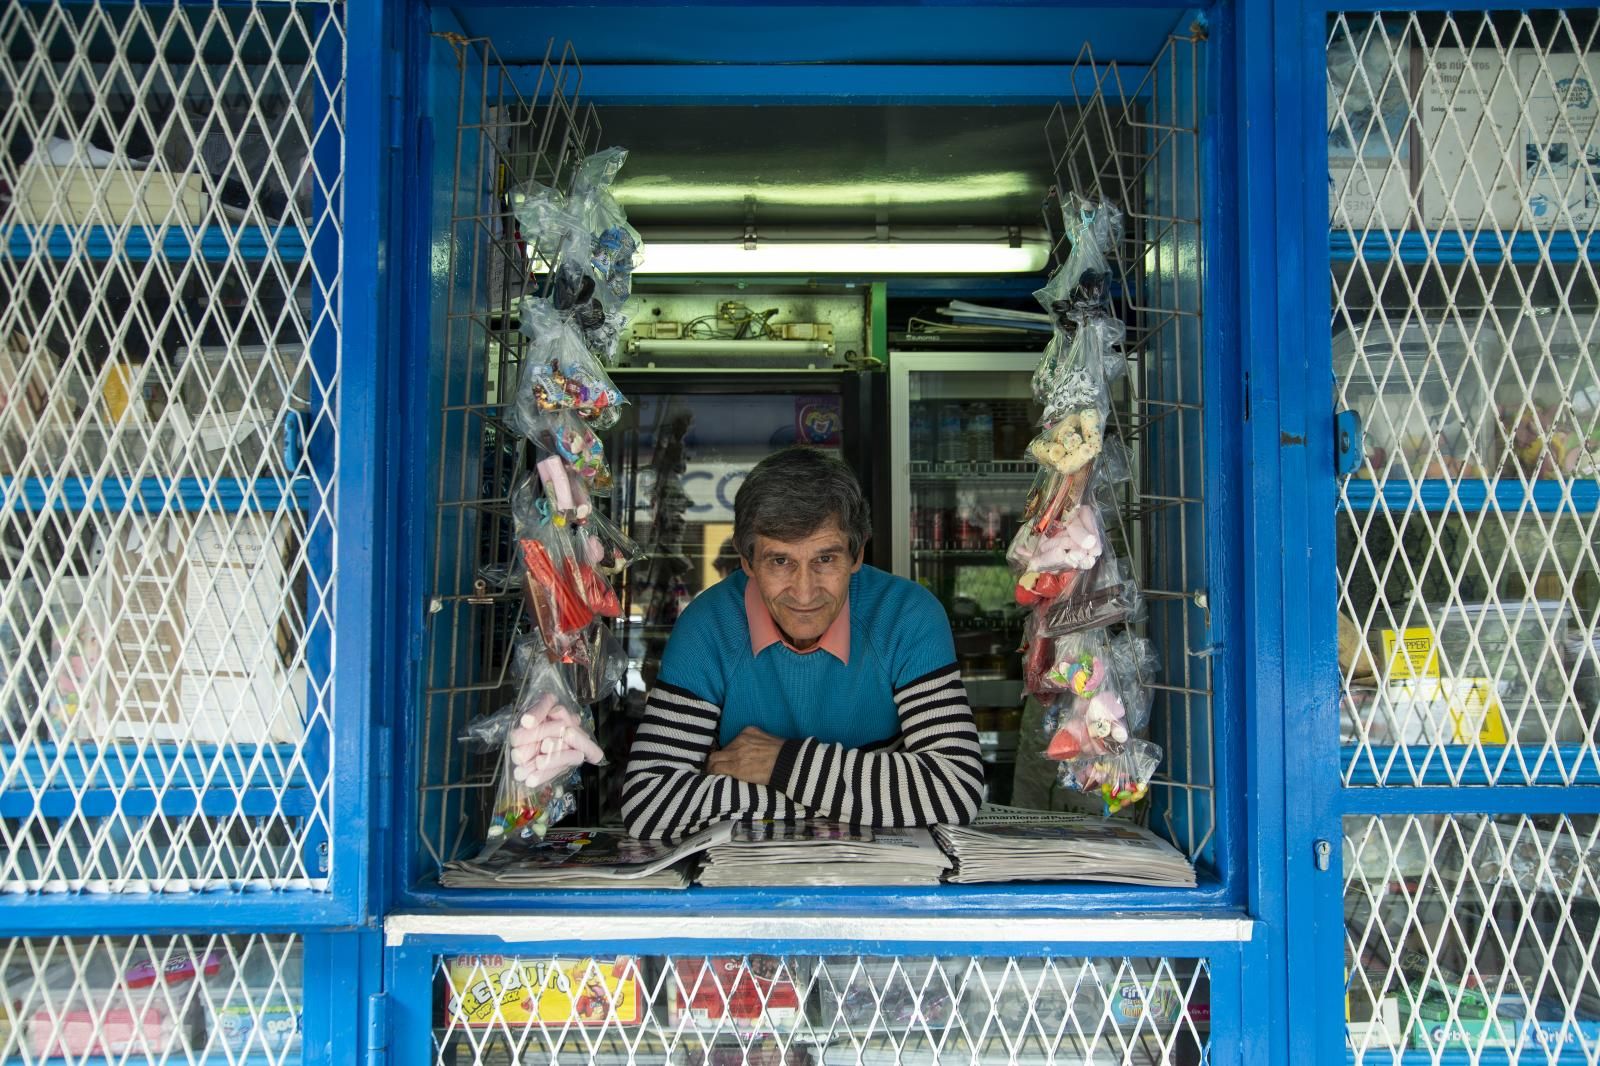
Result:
[1348,450]
[1324,855]
[378,1029]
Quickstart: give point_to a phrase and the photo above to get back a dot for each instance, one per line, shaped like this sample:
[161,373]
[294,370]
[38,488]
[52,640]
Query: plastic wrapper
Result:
[1077,366]
[565,590]
[615,245]
[1072,441]
[487,732]
[550,738]
[613,551]
[1122,778]
[562,433]
[1102,596]
[1083,282]
[549,224]
[595,663]
[1101,687]
[559,372]
[1049,557]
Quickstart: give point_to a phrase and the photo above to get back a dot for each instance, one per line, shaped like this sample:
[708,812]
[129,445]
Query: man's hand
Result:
[749,756]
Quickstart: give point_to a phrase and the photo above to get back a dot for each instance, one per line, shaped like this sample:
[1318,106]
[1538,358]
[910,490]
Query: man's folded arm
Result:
[666,794]
[936,777]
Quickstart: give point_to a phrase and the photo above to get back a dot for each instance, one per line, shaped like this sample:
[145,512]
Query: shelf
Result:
[153,495]
[923,554]
[1413,246]
[1512,766]
[78,767]
[212,243]
[1437,495]
[1018,468]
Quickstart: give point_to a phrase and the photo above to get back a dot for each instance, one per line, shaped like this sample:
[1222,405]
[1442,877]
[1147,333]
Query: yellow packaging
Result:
[1472,704]
[487,990]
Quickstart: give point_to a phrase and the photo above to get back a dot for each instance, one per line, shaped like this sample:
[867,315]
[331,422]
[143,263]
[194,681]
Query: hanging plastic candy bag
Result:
[617,551]
[1122,778]
[563,434]
[595,663]
[1072,442]
[558,371]
[550,227]
[1049,561]
[1104,692]
[564,590]
[1104,595]
[1083,282]
[1079,374]
[615,246]
[552,736]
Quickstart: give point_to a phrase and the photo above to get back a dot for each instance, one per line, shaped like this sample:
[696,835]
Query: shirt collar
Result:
[764,631]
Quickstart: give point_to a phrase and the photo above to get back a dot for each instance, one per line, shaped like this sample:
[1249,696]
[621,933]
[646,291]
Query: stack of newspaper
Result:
[1014,844]
[584,858]
[820,852]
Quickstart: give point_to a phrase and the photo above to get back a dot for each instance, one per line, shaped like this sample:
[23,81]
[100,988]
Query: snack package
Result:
[1122,778]
[1104,595]
[565,590]
[1049,556]
[1078,366]
[550,227]
[552,735]
[558,371]
[594,663]
[1083,282]
[1073,441]
[611,550]
[1102,685]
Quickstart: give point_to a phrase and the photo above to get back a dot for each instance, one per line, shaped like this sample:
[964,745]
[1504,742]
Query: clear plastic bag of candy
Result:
[616,550]
[562,433]
[558,371]
[595,663]
[1083,283]
[1081,371]
[551,736]
[615,246]
[549,225]
[1104,595]
[1102,689]
[565,590]
[1122,778]
[1072,442]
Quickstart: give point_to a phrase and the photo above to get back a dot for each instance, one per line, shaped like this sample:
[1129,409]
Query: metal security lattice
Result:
[803,1010]
[1471,934]
[151,1000]
[1137,144]
[170,205]
[509,130]
[1464,188]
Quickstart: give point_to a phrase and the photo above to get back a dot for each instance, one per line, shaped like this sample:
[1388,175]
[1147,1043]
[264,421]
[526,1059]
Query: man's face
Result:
[804,583]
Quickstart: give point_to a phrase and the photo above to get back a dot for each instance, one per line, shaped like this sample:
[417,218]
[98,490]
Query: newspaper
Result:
[819,852]
[1011,844]
[585,858]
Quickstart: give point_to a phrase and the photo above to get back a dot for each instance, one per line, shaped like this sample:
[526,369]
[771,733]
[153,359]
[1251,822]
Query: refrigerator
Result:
[959,428]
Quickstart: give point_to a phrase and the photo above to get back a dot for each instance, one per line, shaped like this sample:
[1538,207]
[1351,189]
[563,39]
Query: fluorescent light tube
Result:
[834,257]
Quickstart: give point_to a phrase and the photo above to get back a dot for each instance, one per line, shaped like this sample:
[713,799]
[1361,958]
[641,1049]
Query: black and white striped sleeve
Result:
[933,772]
[667,793]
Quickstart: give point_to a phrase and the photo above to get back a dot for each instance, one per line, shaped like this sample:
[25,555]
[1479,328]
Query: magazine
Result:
[585,858]
[1011,844]
[815,851]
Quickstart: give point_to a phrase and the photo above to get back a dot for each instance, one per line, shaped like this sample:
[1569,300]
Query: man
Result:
[805,683]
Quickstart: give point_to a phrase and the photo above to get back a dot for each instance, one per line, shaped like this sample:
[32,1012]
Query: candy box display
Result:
[754,993]
[1420,398]
[491,990]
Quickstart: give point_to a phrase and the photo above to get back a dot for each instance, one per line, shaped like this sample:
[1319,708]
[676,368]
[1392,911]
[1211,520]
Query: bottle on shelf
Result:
[922,450]
[952,434]
[980,433]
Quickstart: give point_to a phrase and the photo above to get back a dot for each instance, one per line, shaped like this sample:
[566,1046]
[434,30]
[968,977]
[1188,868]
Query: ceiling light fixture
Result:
[765,257]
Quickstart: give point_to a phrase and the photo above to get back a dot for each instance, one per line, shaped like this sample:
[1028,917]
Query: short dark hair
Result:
[792,494]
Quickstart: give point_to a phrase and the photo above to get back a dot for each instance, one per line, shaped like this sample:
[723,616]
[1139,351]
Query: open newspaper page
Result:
[586,858]
[820,852]
[1011,844]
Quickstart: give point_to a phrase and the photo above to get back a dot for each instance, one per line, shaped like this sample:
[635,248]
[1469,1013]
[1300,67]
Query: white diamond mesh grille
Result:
[801,1010]
[511,130]
[144,999]
[1471,933]
[169,367]
[1464,187]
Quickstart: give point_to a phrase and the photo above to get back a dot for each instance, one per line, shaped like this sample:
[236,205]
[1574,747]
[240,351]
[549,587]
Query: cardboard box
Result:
[490,990]
[1470,156]
[1370,141]
[191,611]
[1561,178]
[757,993]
